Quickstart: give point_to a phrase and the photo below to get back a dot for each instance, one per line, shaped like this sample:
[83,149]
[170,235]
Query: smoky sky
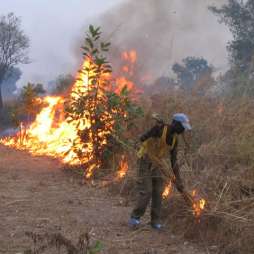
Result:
[162,32]
[53,27]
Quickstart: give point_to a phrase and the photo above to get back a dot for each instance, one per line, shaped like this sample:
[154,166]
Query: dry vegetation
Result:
[220,165]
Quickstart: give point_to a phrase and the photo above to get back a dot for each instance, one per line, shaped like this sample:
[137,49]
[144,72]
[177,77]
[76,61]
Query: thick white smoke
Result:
[166,31]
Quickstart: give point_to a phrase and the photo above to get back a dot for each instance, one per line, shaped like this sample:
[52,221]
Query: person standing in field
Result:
[158,144]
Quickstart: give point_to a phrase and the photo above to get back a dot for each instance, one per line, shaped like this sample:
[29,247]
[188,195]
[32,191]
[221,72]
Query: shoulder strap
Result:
[164,135]
[164,138]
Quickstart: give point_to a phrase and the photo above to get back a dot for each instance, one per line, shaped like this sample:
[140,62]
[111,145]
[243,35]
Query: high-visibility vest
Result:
[158,150]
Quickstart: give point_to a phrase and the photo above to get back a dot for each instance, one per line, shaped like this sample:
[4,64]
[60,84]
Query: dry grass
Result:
[60,244]
[220,165]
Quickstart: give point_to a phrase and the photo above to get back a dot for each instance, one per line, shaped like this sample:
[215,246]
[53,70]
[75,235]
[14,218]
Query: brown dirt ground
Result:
[36,195]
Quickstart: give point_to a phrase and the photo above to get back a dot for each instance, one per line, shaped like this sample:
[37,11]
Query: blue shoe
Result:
[134,222]
[156,226]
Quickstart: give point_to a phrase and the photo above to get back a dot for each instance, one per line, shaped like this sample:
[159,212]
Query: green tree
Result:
[99,113]
[13,46]
[30,102]
[192,72]
[238,16]
[63,84]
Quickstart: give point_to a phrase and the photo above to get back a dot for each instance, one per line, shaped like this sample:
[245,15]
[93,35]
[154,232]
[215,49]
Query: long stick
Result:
[165,172]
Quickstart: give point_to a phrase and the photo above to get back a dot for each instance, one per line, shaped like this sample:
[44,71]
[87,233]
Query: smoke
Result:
[166,31]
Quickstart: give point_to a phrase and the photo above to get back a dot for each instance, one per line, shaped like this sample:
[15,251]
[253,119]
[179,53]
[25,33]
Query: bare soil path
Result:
[37,196]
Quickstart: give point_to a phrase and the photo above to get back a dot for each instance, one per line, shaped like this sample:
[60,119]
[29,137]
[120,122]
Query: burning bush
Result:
[83,127]
[100,110]
[95,121]
[24,108]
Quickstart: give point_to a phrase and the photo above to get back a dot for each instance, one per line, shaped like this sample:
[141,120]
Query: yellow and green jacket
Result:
[159,144]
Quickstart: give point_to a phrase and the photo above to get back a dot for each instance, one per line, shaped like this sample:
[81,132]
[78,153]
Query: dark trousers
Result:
[150,186]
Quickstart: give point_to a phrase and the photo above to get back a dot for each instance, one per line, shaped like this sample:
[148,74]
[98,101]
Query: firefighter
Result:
[158,145]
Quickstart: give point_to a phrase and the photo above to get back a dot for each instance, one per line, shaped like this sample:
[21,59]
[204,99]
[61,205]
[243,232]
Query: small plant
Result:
[30,102]
[44,242]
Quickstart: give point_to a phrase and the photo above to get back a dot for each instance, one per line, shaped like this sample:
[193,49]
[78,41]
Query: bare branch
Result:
[13,45]
[13,42]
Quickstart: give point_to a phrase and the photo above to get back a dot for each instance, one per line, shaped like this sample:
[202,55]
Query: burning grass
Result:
[220,166]
[78,129]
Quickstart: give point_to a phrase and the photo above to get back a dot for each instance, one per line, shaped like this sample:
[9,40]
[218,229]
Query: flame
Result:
[130,56]
[125,69]
[130,59]
[41,138]
[123,168]
[146,78]
[167,191]
[81,86]
[122,82]
[198,205]
[129,65]
[52,134]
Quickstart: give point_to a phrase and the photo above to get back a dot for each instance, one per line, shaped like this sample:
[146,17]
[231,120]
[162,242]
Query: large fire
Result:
[52,134]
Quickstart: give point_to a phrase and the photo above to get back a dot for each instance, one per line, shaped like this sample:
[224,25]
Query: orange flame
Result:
[122,82]
[123,168]
[128,69]
[46,136]
[167,191]
[198,205]
[130,56]
[52,134]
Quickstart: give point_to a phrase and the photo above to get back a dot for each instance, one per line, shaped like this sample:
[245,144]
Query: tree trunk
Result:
[1,98]
[2,74]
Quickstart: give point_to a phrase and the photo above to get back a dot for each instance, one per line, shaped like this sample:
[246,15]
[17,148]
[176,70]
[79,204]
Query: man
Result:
[157,145]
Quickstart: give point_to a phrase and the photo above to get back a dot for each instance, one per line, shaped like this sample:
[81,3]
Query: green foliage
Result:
[63,84]
[98,246]
[29,101]
[25,107]
[94,101]
[88,102]
[126,110]
[192,71]
[237,83]
[238,16]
